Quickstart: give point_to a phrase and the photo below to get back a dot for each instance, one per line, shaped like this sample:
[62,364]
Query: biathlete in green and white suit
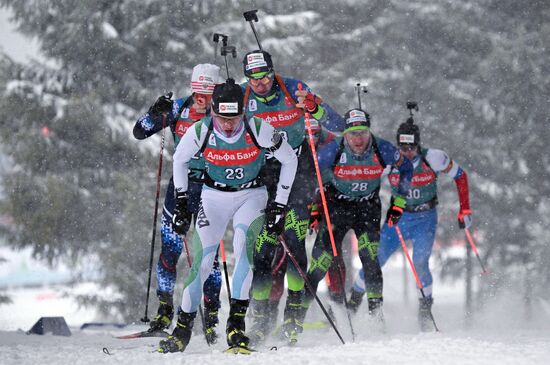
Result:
[234,150]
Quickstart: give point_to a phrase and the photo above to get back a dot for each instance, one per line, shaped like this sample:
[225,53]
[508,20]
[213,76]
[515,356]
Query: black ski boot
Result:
[355,300]
[376,315]
[295,312]
[261,321]
[165,313]
[211,321]
[178,341]
[424,314]
[236,325]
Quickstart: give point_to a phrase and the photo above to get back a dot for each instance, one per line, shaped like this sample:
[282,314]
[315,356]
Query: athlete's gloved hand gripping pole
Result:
[465,214]
[163,106]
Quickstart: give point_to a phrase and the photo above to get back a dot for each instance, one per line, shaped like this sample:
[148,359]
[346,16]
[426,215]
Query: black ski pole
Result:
[201,312]
[310,287]
[145,318]
[251,17]
[225,272]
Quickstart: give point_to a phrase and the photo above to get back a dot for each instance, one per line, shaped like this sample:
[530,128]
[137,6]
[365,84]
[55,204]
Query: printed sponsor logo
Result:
[357,113]
[358,172]
[255,60]
[357,116]
[212,140]
[229,107]
[231,157]
[343,158]
[206,79]
[283,118]
[252,105]
[181,127]
[419,179]
[406,138]
[202,220]
[248,139]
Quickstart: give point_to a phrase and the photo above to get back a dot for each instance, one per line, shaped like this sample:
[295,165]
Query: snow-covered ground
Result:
[497,335]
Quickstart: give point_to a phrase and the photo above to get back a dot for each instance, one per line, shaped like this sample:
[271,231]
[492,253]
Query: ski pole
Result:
[251,16]
[474,248]
[145,318]
[325,210]
[201,312]
[418,282]
[309,287]
[222,249]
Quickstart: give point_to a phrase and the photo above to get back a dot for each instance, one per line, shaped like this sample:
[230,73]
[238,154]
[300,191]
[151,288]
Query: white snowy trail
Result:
[498,334]
[526,347]
[497,337]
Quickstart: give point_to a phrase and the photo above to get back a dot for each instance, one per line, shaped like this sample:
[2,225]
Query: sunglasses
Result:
[264,80]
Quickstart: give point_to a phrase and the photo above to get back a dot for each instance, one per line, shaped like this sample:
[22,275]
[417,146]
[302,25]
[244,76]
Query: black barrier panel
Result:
[54,325]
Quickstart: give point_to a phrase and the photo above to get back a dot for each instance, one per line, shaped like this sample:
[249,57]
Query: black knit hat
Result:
[257,64]
[228,99]
[408,133]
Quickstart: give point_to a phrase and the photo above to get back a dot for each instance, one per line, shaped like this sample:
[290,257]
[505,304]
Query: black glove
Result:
[275,218]
[162,105]
[395,211]
[181,218]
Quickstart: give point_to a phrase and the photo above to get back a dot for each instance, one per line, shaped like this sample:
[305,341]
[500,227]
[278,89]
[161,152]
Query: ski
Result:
[148,333]
[242,350]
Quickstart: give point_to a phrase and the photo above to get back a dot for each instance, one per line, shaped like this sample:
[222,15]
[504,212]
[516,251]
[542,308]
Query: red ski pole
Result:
[474,248]
[418,282]
[325,210]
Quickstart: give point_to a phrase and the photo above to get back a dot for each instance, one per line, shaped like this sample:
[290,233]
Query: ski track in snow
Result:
[497,335]
[86,347]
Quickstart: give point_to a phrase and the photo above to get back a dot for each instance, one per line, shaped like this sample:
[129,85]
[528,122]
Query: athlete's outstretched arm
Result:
[147,125]
[441,162]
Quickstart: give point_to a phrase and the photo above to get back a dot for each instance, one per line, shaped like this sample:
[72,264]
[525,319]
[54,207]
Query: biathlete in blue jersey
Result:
[180,115]
[351,168]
